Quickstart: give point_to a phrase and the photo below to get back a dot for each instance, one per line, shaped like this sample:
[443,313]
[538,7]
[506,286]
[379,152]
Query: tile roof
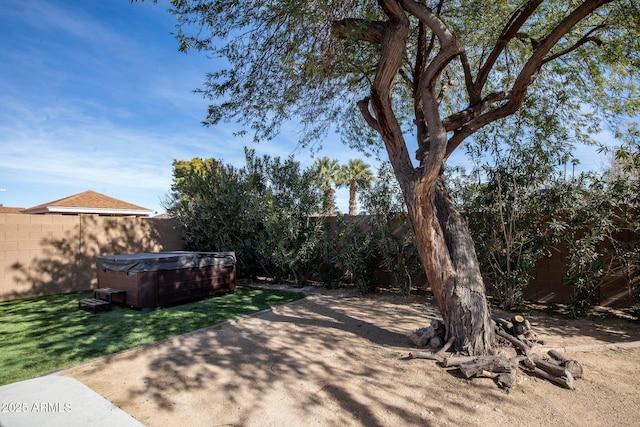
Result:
[7,209]
[89,200]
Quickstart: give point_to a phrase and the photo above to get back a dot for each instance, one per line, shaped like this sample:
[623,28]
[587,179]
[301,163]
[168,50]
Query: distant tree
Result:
[355,175]
[326,176]
[182,169]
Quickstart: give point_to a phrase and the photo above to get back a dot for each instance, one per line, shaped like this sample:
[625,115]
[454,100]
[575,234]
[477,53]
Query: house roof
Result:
[7,209]
[89,202]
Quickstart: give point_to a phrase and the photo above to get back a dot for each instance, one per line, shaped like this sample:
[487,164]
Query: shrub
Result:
[261,211]
[267,213]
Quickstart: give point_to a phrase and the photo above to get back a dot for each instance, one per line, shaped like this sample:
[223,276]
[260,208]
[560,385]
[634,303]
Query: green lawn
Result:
[40,335]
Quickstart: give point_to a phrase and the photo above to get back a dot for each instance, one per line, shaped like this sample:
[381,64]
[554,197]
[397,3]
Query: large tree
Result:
[424,76]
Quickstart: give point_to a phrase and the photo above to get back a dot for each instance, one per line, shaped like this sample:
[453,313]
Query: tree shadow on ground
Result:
[285,365]
[261,361]
[323,360]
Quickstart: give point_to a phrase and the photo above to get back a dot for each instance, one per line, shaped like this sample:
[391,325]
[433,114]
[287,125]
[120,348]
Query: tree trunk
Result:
[449,259]
[353,201]
[442,236]
[329,204]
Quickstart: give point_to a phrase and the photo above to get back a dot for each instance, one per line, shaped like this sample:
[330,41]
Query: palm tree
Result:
[326,177]
[356,175]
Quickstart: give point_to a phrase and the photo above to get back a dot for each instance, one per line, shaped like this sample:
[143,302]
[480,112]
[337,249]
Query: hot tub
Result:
[166,278]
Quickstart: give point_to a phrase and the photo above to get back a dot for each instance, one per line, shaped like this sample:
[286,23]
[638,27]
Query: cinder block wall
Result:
[52,254]
[547,284]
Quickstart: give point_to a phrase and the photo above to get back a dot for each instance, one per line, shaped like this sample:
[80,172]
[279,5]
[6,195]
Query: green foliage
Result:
[364,249]
[281,59]
[266,213]
[524,208]
[504,199]
[582,224]
[328,252]
[626,185]
[392,235]
[355,255]
[600,227]
[506,237]
[260,211]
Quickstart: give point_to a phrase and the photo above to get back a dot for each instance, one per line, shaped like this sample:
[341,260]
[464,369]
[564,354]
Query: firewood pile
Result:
[515,333]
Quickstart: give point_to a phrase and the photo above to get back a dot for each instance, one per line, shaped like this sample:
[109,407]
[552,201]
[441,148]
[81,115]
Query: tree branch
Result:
[392,49]
[468,77]
[450,47]
[515,96]
[423,52]
[584,40]
[457,120]
[516,21]
[529,70]
[363,106]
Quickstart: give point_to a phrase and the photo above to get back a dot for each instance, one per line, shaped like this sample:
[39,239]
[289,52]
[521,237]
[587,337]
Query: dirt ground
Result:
[337,359]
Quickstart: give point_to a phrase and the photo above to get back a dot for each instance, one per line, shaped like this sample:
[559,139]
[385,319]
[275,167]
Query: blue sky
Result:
[95,96]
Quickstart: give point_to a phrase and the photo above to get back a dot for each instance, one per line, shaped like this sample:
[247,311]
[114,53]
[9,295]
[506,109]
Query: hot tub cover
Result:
[152,261]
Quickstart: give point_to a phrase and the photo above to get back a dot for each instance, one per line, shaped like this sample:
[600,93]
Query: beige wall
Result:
[52,254]
[547,284]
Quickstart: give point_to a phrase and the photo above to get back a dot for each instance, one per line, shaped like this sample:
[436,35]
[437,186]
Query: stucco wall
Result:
[547,284]
[51,254]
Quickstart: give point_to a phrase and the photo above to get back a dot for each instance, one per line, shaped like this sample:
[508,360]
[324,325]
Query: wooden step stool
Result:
[93,304]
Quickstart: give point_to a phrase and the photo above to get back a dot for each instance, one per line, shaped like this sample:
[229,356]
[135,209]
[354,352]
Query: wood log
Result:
[519,325]
[422,355]
[571,365]
[506,379]
[530,338]
[515,341]
[549,371]
[555,354]
[453,361]
[549,367]
[496,364]
[422,336]
[439,355]
[566,381]
[446,347]
[505,325]
[487,374]
[527,362]
[575,368]
[502,379]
